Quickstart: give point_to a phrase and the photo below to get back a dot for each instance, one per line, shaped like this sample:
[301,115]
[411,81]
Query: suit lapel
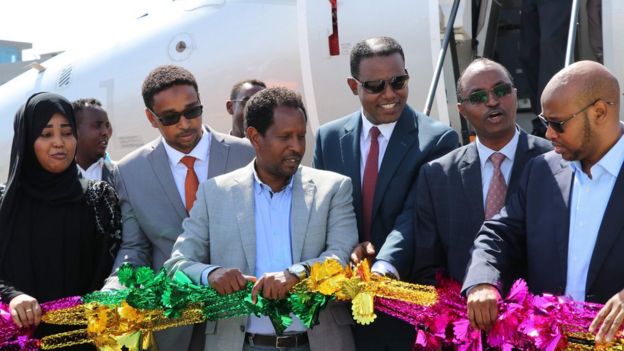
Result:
[470,172]
[302,201]
[107,172]
[520,159]
[244,195]
[610,229]
[400,143]
[350,150]
[160,165]
[564,178]
[218,155]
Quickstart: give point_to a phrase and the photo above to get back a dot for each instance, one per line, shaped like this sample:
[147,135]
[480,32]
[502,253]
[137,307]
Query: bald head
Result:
[584,82]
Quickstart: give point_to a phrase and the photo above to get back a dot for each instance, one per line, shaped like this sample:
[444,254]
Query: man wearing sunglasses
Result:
[460,190]
[157,183]
[565,221]
[240,94]
[381,148]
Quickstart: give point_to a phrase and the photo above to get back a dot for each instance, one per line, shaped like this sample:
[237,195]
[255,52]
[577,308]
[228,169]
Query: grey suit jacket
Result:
[108,172]
[450,210]
[220,232]
[152,210]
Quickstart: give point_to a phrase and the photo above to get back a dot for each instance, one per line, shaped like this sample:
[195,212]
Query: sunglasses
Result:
[557,126]
[481,96]
[172,118]
[377,86]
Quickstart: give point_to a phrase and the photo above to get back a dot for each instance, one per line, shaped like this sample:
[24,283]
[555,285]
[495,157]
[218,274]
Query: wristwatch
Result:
[298,270]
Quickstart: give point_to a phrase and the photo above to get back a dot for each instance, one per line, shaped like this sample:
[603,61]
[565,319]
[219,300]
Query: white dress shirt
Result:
[201,152]
[273,244]
[385,132]
[587,207]
[365,140]
[487,168]
[93,172]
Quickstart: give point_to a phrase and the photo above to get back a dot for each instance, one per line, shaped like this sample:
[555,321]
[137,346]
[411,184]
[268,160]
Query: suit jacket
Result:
[535,225]
[152,210]
[220,232]
[449,210]
[416,139]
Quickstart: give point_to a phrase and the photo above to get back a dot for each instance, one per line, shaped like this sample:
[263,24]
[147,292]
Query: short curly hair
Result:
[164,77]
[259,110]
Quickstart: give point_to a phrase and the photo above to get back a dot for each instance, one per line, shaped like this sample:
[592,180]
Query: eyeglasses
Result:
[481,96]
[377,86]
[242,101]
[172,118]
[557,126]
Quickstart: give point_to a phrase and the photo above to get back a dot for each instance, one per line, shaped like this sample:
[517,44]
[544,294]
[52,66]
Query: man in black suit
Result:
[453,191]
[381,148]
[566,219]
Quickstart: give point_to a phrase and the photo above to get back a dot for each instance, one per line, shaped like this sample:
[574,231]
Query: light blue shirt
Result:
[487,168]
[587,207]
[273,244]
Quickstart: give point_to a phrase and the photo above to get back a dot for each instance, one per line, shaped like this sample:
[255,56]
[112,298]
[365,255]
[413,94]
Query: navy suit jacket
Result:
[450,212]
[416,139]
[534,225]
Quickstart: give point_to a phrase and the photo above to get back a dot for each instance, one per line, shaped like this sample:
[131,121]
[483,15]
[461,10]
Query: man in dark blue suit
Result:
[381,147]
[453,191]
[566,218]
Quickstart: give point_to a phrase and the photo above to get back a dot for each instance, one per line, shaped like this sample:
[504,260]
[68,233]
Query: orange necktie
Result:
[191,183]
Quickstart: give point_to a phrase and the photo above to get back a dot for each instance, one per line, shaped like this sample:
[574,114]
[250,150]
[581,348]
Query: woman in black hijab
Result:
[58,232]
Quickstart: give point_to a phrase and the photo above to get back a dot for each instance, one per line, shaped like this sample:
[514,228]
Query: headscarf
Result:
[38,204]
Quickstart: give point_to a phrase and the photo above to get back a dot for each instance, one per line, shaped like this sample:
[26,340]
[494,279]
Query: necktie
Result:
[369,183]
[191,183]
[495,199]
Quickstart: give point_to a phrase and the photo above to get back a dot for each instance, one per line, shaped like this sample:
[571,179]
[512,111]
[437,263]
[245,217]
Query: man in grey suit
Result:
[157,184]
[270,220]
[381,148]
[566,218]
[453,191]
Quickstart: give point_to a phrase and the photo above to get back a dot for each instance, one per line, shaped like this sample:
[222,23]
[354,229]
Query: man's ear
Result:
[600,111]
[229,106]
[353,85]
[254,137]
[151,118]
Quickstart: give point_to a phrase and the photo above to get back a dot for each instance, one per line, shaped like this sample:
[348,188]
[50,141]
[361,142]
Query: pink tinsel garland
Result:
[525,321]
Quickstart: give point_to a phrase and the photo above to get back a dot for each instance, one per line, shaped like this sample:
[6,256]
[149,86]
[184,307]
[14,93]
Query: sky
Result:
[55,25]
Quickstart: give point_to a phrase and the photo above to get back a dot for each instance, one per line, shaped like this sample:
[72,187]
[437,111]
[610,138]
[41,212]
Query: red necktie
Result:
[495,199]
[368,185]
[191,183]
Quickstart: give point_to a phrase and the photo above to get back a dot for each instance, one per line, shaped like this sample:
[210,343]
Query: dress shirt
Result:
[201,152]
[487,168]
[590,196]
[365,139]
[385,132]
[93,172]
[273,244]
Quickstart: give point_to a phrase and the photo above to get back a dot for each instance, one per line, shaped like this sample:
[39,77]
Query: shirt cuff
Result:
[203,280]
[384,267]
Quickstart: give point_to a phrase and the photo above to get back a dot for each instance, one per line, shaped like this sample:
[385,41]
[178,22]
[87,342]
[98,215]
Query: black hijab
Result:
[43,215]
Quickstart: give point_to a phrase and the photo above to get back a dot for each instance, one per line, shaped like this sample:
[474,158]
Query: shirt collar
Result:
[385,129]
[200,151]
[259,185]
[99,163]
[611,162]
[509,150]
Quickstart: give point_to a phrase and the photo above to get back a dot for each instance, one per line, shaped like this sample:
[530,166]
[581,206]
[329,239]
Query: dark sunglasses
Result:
[243,102]
[377,86]
[557,126]
[172,118]
[481,96]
